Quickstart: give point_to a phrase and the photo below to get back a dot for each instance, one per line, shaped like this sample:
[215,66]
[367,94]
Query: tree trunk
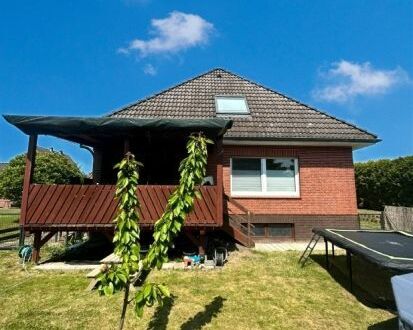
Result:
[125,306]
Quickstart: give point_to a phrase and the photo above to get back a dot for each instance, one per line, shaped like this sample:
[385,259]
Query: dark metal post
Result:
[21,237]
[326,245]
[332,250]
[350,269]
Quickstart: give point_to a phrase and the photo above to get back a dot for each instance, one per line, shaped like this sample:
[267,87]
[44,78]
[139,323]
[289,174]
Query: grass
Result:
[9,217]
[367,211]
[10,211]
[365,224]
[254,291]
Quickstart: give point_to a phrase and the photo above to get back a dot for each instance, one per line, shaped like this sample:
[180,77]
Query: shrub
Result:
[51,168]
[384,182]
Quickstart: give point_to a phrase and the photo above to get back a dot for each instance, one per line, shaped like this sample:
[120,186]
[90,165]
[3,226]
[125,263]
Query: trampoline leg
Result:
[350,269]
[327,261]
[332,250]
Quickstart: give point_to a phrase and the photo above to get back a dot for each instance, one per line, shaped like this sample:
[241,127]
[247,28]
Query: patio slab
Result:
[68,266]
[286,246]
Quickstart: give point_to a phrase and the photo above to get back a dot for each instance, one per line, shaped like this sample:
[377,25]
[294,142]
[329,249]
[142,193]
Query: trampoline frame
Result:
[357,248]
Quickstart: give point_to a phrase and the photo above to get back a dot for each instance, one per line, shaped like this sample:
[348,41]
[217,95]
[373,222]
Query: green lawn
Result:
[369,225]
[9,211]
[254,291]
[9,217]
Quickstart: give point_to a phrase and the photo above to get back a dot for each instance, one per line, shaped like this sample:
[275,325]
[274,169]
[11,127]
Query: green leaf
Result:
[122,277]
[108,290]
[164,290]
[147,290]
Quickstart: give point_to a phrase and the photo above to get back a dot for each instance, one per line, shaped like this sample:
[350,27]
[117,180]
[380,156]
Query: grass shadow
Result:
[371,286]
[385,325]
[204,317]
[160,318]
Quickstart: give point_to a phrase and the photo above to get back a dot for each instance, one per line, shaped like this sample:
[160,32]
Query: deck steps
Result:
[237,222]
[238,234]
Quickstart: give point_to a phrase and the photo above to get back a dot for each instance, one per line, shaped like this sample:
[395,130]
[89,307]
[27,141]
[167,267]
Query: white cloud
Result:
[177,32]
[346,80]
[150,70]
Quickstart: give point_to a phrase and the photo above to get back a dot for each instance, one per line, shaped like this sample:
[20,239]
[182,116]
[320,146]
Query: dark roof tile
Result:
[272,115]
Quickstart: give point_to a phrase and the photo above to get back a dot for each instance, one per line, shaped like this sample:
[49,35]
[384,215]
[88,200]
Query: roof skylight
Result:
[236,105]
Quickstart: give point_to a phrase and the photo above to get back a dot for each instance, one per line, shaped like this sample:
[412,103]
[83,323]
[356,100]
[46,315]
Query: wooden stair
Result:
[238,225]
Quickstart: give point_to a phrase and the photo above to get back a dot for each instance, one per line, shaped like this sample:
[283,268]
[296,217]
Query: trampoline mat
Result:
[393,244]
[391,249]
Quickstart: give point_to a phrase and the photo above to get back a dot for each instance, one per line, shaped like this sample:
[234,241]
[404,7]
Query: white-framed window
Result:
[231,105]
[264,177]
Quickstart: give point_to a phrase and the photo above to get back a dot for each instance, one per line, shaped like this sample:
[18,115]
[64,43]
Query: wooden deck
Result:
[53,206]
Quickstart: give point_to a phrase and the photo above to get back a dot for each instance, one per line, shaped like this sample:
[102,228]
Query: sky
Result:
[352,59]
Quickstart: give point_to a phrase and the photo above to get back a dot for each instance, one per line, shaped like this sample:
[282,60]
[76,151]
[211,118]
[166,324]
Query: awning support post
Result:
[220,183]
[28,176]
[126,146]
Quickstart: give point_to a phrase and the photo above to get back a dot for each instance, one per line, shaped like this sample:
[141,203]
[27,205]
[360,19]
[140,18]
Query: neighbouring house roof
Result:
[42,149]
[39,149]
[273,116]
[96,131]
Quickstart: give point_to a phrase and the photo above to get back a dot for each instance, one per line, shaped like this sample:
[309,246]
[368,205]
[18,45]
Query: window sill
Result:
[264,195]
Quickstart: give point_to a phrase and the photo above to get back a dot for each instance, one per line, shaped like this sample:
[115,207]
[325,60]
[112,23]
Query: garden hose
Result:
[25,253]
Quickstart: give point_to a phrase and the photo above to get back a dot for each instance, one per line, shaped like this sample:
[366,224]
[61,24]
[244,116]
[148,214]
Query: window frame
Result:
[264,193]
[268,237]
[216,97]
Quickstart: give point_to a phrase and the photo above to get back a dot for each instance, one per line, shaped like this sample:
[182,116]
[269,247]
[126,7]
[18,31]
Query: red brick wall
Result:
[326,174]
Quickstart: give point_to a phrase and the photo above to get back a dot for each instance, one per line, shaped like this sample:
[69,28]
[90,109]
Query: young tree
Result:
[51,167]
[134,270]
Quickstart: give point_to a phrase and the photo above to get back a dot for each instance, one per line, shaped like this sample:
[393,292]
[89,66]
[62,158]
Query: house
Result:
[278,167]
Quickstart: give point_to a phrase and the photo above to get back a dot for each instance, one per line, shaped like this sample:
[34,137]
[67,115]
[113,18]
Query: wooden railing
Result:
[94,205]
[238,220]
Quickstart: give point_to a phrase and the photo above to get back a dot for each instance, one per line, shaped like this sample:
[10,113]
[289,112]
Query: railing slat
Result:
[56,205]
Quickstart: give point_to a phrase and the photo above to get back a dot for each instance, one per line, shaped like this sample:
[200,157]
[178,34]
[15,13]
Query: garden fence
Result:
[398,218]
[9,229]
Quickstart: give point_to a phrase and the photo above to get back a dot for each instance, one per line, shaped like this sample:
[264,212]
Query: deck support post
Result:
[201,243]
[219,151]
[36,246]
[39,242]
[28,176]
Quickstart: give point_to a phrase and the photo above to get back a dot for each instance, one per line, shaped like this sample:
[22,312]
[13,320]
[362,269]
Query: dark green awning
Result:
[96,130]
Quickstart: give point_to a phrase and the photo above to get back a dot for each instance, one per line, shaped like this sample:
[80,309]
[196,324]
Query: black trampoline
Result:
[391,250]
